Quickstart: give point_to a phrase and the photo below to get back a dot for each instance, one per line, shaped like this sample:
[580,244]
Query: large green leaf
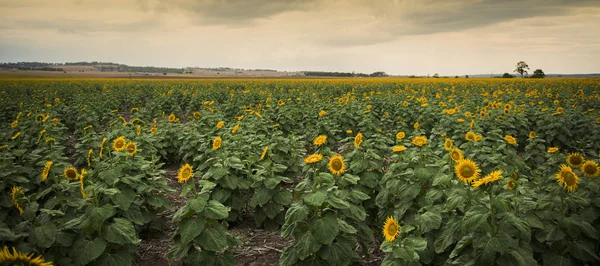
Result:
[95,216]
[213,238]
[261,197]
[429,221]
[315,198]
[325,229]
[44,235]
[121,231]
[283,197]
[84,251]
[216,210]
[198,203]
[306,246]
[190,229]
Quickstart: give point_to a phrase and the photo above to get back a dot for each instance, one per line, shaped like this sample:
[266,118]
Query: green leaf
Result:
[348,179]
[345,227]
[121,231]
[416,243]
[111,259]
[95,216]
[198,203]
[84,251]
[584,251]
[44,235]
[405,254]
[461,244]
[337,202]
[283,197]
[306,246]
[261,197]
[288,257]
[190,229]
[124,199]
[474,218]
[358,196]
[216,210]
[325,229]
[429,221]
[340,252]
[315,198]
[355,212]
[213,239]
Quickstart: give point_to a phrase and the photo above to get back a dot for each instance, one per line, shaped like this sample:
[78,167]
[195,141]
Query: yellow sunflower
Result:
[349,131]
[71,174]
[472,123]
[14,124]
[185,173]
[448,144]
[314,158]
[172,118]
[419,141]
[488,179]
[264,153]
[320,140]
[567,178]
[239,118]
[89,157]
[398,148]
[235,129]
[478,138]
[46,170]
[17,258]
[552,149]
[196,115]
[322,113]
[81,185]
[467,171]
[336,165]
[220,124]
[456,155]
[50,140]
[217,143]
[510,184]
[416,125]
[16,194]
[153,130]
[510,140]
[470,136]
[590,169]
[400,135]
[119,143]
[138,130]
[575,160]
[358,140]
[391,229]
[532,135]
[102,147]
[131,148]
[16,135]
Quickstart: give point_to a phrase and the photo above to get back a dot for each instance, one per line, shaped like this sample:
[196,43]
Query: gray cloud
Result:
[84,27]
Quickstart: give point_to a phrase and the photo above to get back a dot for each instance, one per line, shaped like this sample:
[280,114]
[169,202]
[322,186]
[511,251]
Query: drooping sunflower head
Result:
[448,144]
[532,135]
[235,129]
[510,140]
[349,131]
[400,135]
[567,178]
[185,173]
[510,184]
[196,115]
[419,141]
[391,229]
[488,179]
[172,118]
[456,155]
[131,148]
[313,158]
[478,138]
[264,153]
[467,171]
[590,169]
[320,140]
[552,149]
[15,257]
[336,165]
[220,124]
[71,174]
[398,148]
[217,143]
[119,143]
[358,140]
[470,136]
[46,170]
[575,160]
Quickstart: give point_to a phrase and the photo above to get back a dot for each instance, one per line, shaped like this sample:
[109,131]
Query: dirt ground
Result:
[259,247]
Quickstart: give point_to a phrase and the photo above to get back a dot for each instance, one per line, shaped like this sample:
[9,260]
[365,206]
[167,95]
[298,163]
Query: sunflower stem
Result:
[492,214]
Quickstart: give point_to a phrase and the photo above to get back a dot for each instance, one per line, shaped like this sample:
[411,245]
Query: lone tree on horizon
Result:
[521,66]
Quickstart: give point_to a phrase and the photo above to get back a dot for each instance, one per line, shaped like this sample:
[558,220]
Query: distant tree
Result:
[521,68]
[466,76]
[455,77]
[377,74]
[507,76]
[436,75]
[538,73]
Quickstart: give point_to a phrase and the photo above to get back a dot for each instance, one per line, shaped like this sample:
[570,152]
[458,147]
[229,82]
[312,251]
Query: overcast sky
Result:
[454,37]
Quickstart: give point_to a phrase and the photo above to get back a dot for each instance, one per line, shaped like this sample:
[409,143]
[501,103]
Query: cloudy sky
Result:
[453,37]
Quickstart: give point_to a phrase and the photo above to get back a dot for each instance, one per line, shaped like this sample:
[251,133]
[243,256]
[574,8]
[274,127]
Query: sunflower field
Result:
[421,171]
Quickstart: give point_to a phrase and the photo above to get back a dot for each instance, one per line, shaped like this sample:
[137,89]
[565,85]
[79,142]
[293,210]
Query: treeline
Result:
[31,66]
[126,68]
[343,74]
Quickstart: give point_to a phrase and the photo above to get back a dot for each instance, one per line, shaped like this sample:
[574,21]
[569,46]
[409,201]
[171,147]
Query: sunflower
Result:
[559,111]
[322,113]
[575,160]
[172,118]
[460,120]
[398,148]
[320,140]
[336,165]
[55,121]
[153,130]
[391,229]
[598,120]
[488,179]
[81,184]
[456,155]
[400,135]
[102,147]
[470,136]
[448,144]
[16,194]
[16,135]
[39,118]
[280,103]
[478,138]
[510,140]
[532,135]
[138,130]
[314,158]
[472,123]
[419,141]
[510,184]
[196,115]
[358,140]
[119,143]
[349,131]
[14,124]
[514,175]
[131,148]
[552,149]
[89,157]
[71,174]
[264,153]
[185,173]
[416,125]
[467,171]
[18,258]
[567,178]
[50,140]
[235,129]
[220,124]
[590,169]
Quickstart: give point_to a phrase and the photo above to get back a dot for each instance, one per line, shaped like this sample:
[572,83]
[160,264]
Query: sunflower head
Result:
[131,148]
[235,129]
[336,165]
[456,155]
[590,169]
[220,124]
[322,113]
[172,118]
[391,229]
[196,115]
[46,170]
[119,143]
[416,125]
[314,158]
[510,140]
[349,131]
[419,141]
[567,178]
[575,160]
[217,143]
[532,135]
[510,184]
[488,179]
[448,144]
[470,136]
[153,130]
[320,140]
[71,174]
[398,148]
[552,149]
[478,138]
[264,153]
[467,171]
[358,140]
[185,173]
[400,135]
